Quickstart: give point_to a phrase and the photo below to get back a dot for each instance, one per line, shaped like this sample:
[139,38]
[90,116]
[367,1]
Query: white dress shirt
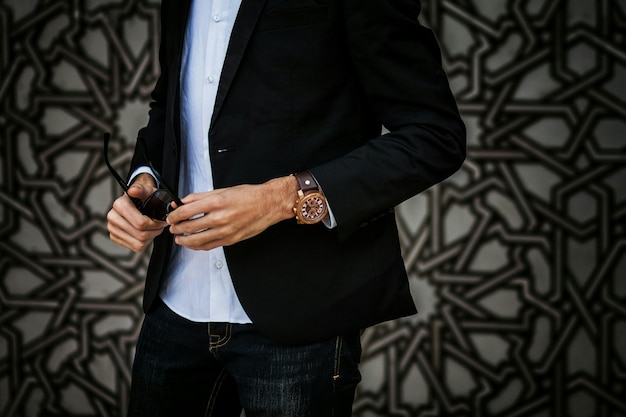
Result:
[197,284]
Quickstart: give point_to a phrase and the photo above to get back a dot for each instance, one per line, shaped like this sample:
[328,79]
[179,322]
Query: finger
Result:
[118,228]
[140,191]
[192,209]
[125,207]
[196,224]
[127,210]
[121,238]
[130,238]
[129,228]
[200,241]
[193,197]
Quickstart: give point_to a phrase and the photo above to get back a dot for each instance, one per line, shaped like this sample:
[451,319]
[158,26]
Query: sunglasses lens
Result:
[157,206]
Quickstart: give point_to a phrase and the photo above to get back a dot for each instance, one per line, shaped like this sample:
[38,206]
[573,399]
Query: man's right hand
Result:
[126,225]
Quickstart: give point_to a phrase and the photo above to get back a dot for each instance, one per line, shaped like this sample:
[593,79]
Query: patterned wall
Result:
[517,262]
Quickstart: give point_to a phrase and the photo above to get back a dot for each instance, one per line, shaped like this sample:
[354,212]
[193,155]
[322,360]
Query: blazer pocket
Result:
[292,18]
[272,6]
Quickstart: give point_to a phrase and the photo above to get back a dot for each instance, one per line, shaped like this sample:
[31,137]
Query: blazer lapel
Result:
[179,29]
[247,17]
[181,17]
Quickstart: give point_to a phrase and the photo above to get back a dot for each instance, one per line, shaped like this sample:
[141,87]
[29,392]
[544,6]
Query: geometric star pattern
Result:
[69,298]
[517,263]
[520,258]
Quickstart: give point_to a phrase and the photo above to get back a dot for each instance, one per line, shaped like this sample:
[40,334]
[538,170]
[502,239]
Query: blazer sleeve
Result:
[398,63]
[153,132]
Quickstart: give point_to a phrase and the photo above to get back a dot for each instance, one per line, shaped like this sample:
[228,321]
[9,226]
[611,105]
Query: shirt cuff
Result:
[329,221]
[142,170]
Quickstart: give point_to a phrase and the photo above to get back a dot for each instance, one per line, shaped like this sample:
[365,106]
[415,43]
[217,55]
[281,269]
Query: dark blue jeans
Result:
[190,369]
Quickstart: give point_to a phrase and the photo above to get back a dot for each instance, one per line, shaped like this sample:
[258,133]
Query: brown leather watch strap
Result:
[306,182]
[310,207]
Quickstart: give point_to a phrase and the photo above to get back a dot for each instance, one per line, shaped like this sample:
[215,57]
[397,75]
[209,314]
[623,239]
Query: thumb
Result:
[139,191]
[142,187]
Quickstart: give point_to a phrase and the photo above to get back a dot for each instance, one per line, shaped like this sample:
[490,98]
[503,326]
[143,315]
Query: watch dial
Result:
[313,208]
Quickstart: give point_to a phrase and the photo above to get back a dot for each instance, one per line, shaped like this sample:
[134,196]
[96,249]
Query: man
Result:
[266,109]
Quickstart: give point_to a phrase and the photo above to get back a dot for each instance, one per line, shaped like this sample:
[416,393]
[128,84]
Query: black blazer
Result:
[307,84]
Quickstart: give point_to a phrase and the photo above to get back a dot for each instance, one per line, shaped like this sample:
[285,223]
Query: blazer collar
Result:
[245,22]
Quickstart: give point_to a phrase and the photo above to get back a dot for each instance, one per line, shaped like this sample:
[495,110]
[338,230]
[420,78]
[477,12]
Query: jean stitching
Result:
[214,393]
[338,346]
[222,339]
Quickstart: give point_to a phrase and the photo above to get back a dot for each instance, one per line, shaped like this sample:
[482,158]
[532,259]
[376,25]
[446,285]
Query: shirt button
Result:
[217,17]
[219,264]
[209,78]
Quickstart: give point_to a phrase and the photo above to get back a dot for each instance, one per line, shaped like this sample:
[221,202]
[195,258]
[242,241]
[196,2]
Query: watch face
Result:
[313,208]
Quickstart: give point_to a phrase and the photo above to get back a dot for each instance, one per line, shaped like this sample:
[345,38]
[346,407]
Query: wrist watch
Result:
[311,206]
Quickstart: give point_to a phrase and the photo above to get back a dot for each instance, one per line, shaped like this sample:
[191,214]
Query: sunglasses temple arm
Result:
[117,177]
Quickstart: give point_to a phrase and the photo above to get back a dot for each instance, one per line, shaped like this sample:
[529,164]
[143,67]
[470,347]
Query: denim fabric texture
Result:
[191,369]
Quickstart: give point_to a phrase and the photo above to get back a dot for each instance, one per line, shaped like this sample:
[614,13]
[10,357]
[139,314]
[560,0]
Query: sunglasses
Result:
[159,204]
